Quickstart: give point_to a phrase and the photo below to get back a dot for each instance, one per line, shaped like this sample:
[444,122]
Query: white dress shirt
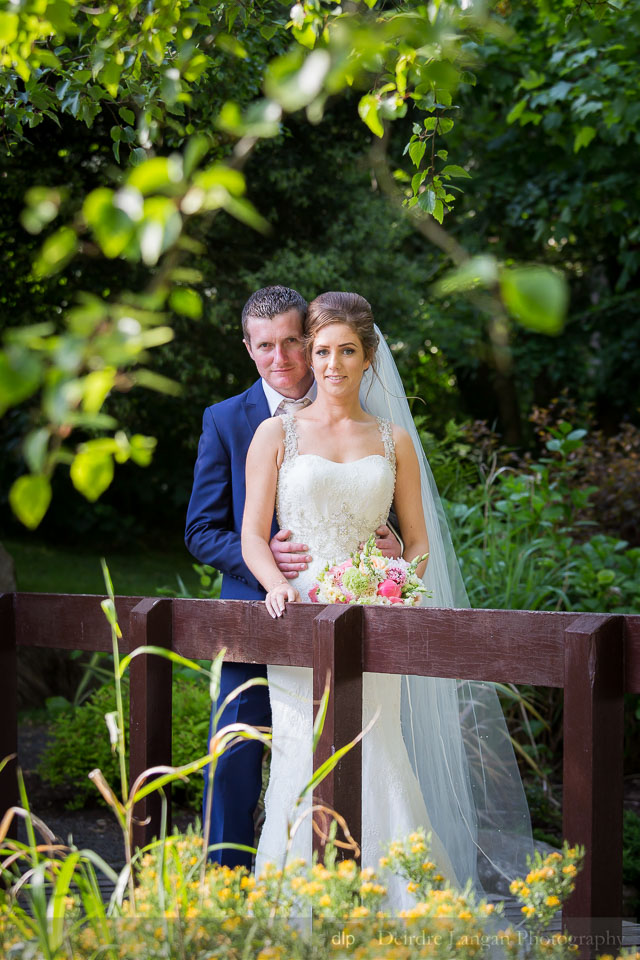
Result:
[274,399]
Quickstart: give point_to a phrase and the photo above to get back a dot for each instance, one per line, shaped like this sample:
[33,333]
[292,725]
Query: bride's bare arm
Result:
[263,458]
[408,499]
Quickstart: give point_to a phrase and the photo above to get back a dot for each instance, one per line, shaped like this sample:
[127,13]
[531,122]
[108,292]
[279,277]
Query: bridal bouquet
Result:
[368,577]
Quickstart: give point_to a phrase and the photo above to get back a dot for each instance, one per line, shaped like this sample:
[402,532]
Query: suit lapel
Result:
[256,409]
[255,406]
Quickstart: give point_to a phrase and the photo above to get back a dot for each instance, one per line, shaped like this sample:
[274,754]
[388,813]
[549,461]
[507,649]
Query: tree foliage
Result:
[187,77]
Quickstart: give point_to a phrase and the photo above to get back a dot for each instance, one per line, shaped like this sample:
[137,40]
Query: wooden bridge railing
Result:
[595,658]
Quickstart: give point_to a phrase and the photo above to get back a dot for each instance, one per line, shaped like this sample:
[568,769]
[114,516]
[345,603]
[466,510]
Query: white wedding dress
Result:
[333,507]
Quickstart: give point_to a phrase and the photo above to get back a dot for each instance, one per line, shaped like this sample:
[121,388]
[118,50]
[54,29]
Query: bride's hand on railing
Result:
[280,594]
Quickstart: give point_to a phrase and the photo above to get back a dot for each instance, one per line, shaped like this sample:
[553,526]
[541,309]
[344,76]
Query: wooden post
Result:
[9,706]
[337,659]
[592,775]
[149,710]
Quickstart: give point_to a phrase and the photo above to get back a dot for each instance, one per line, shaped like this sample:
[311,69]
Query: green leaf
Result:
[445,124]
[294,81]
[416,151]
[8,28]
[231,45]
[536,296]
[305,35]
[186,301]
[438,211]
[368,111]
[91,472]
[30,497]
[127,115]
[479,271]
[155,381]
[532,80]
[112,227]
[197,147]
[55,252]
[35,447]
[155,174]
[583,138]
[517,111]
[142,449]
[20,375]
[220,175]
[427,200]
[452,170]
[96,387]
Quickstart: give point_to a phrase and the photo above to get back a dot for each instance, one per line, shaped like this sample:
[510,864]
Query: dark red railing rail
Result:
[595,658]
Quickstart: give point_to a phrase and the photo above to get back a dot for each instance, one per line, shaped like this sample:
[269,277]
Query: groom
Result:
[272,326]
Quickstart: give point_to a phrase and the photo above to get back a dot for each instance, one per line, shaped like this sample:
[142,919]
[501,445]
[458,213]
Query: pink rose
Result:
[396,574]
[343,566]
[313,594]
[395,600]
[389,589]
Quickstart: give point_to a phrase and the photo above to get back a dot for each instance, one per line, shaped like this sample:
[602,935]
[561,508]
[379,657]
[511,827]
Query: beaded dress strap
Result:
[290,437]
[386,432]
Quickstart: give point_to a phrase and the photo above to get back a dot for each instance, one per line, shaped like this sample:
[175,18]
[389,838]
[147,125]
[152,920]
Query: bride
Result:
[432,758]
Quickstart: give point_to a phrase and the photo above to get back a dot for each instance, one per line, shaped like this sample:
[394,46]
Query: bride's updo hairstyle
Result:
[349,308]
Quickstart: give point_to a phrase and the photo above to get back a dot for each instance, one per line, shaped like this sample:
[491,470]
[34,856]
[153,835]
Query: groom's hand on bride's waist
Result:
[290,557]
[388,542]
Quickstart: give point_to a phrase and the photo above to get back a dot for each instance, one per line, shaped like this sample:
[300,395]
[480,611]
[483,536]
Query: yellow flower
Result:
[552,901]
[224,894]
[570,870]
[418,848]
[359,912]
[346,868]
[412,887]
[311,888]
[383,861]
[247,881]
[528,911]
[325,901]
[415,837]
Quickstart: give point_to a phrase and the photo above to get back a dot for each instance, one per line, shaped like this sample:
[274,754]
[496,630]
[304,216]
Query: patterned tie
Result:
[291,406]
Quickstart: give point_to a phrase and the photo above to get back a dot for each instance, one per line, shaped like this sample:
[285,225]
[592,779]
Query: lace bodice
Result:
[332,507]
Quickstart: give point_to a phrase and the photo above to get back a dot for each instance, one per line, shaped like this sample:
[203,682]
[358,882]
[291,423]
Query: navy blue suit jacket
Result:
[214,517]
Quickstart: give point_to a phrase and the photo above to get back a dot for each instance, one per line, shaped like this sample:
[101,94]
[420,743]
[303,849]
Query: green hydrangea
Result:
[358,583]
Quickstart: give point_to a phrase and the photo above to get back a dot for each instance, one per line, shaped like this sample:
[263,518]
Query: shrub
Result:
[80,743]
[184,907]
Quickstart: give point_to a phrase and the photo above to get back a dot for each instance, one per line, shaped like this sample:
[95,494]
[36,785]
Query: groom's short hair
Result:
[268,302]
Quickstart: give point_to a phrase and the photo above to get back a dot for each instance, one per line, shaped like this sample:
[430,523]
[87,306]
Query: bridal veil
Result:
[455,730]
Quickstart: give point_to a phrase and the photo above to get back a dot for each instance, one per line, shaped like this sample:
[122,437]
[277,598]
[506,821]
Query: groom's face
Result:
[275,345]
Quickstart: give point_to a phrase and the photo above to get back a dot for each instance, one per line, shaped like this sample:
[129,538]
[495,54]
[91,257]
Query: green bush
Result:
[631,858]
[524,544]
[80,742]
